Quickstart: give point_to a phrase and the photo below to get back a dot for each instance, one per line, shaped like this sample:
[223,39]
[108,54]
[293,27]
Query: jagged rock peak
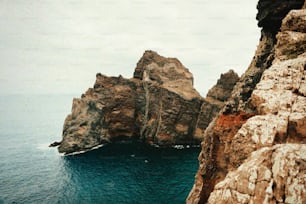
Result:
[161,69]
[228,79]
[215,100]
[225,84]
[150,57]
[170,73]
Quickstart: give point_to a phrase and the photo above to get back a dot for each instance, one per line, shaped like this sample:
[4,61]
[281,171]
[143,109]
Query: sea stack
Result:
[158,106]
[254,150]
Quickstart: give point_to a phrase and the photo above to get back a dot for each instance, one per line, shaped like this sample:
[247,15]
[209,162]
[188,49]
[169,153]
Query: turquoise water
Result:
[30,172]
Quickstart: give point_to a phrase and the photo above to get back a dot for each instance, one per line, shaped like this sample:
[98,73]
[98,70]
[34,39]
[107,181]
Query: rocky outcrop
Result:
[215,99]
[267,107]
[157,106]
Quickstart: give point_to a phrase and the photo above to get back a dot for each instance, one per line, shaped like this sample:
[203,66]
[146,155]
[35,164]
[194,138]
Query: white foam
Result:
[155,145]
[184,146]
[178,146]
[84,151]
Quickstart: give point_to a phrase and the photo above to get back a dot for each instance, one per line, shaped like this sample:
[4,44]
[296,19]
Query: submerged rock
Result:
[158,106]
[241,160]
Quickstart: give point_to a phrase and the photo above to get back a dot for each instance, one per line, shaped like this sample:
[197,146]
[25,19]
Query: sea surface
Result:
[31,172]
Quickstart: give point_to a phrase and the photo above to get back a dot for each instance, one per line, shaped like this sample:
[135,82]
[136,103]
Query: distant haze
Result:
[57,47]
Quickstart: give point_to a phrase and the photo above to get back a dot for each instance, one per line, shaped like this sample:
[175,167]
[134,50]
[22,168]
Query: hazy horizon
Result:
[55,47]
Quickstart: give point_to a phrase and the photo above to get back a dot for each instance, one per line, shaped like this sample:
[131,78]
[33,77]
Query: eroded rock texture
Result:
[157,106]
[270,175]
[267,107]
[215,99]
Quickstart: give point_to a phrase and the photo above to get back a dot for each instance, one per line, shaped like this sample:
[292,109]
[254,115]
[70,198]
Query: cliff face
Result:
[157,106]
[241,161]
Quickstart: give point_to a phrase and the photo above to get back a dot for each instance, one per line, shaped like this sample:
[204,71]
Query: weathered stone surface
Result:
[166,72]
[103,113]
[223,89]
[240,97]
[271,13]
[281,93]
[158,106]
[217,138]
[295,21]
[290,44]
[268,105]
[269,175]
[215,99]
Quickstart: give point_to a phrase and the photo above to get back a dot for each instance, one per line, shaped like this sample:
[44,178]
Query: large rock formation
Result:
[157,106]
[241,161]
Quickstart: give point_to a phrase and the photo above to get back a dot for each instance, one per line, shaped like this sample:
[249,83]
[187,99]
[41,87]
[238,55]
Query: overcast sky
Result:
[56,46]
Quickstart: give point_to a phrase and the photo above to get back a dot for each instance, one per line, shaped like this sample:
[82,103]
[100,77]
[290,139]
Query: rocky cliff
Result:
[157,106]
[254,150]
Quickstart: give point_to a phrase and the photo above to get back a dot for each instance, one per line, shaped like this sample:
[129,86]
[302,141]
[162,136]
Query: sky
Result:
[57,47]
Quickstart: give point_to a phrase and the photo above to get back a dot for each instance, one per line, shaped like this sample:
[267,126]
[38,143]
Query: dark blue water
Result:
[30,172]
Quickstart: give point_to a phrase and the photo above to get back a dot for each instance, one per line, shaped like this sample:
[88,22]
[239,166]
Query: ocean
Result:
[31,172]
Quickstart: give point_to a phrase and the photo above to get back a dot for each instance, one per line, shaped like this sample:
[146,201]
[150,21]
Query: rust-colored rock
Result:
[272,95]
[232,120]
[215,99]
[217,150]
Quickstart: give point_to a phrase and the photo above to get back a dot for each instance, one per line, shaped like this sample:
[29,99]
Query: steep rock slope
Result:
[272,113]
[215,99]
[157,106]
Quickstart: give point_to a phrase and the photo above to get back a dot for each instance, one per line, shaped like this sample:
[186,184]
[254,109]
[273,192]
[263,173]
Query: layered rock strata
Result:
[240,161]
[158,106]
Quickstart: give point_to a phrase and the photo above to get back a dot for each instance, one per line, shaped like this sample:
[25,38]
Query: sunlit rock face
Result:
[270,175]
[240,161]
[158,106]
